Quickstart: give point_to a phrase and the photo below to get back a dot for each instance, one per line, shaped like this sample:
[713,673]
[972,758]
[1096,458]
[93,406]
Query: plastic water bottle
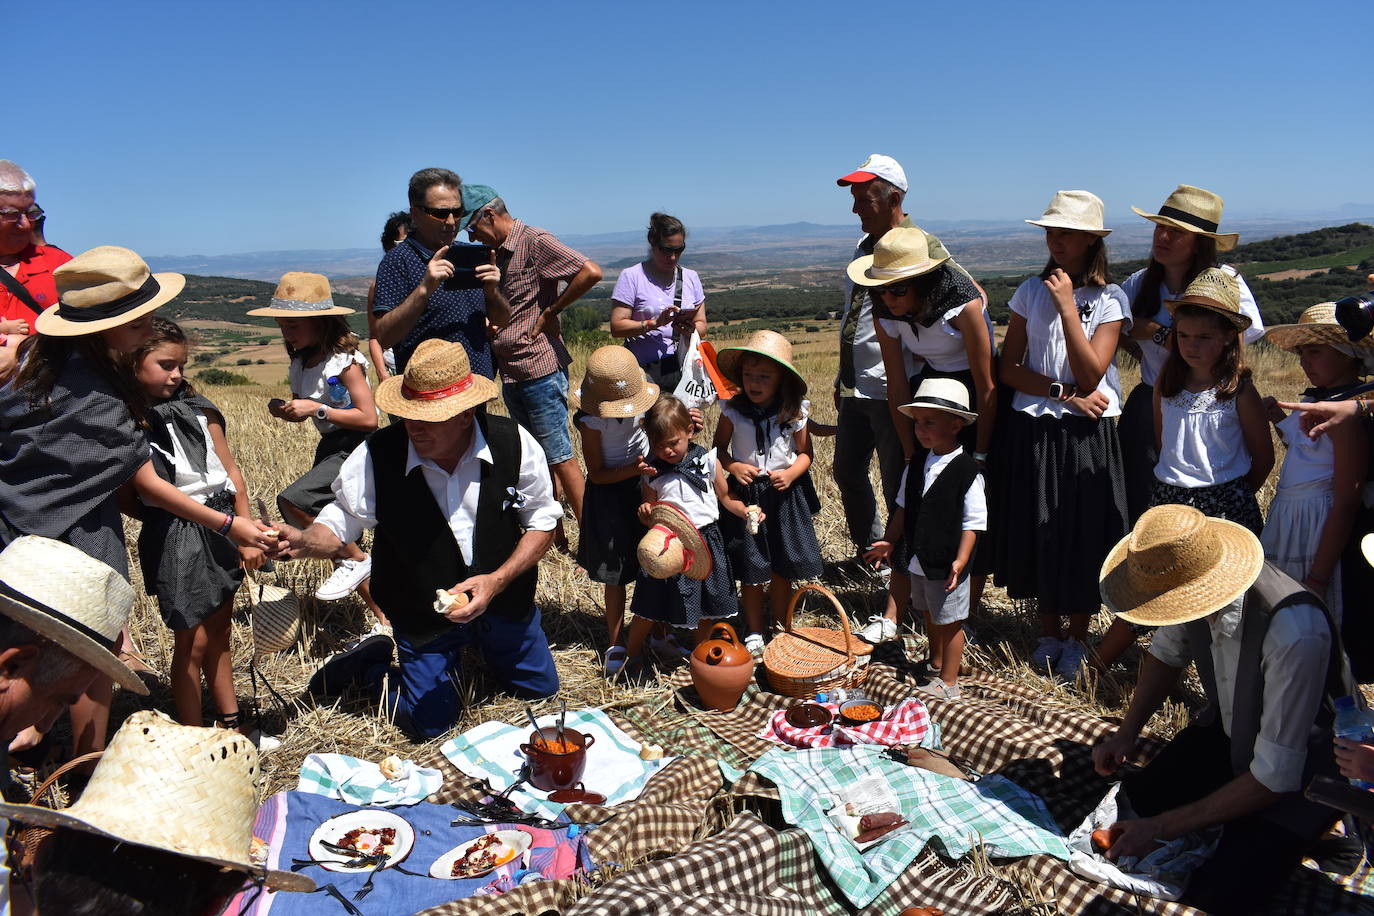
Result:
[338,393]
[1352,723]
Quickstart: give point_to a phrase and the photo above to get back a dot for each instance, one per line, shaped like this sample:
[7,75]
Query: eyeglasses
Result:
[443,213]
[478,217]
[898,290]
[671,249]
[11,216]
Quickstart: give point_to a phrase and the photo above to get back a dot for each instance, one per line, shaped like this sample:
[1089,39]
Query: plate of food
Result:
[368,832]
[478,856]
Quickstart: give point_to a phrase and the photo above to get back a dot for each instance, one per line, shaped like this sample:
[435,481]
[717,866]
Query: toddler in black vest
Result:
[940,510]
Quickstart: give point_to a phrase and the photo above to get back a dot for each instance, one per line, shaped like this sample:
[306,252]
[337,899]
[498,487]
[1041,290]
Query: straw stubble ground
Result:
[272,453]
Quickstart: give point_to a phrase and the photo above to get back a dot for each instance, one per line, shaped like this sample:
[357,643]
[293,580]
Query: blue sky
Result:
[179,128]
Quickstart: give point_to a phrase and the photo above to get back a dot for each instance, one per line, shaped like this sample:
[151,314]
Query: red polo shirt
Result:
[36,264]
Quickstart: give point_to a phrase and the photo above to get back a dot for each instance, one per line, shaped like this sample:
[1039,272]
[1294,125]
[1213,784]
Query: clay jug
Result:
[721,668]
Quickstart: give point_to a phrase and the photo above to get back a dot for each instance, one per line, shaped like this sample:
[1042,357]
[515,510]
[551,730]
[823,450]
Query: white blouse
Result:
[941,345]
[1307,460]
[1046,351]
[622,439]
[312,382]
[702,508]
[1202,442]
[782,443]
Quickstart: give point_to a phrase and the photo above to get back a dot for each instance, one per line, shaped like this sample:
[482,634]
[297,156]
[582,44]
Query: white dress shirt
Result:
[975,501]
[355,494]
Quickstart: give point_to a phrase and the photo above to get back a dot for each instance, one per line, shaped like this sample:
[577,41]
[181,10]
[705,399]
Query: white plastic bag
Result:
[695,389]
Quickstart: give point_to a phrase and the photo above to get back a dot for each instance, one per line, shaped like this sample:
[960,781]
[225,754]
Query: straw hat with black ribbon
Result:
[104,288]
[614,386]
[946,394]
[1081,210]
[1318,325]
[438,384]
[1216,290]
[176,788]
[1193,210]
[761,343]
[1178,565]
[673,545]
[901,253]
[302,295]
[70,598]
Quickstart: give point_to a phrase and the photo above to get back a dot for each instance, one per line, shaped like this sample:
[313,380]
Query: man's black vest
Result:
[935,519]
[413,550]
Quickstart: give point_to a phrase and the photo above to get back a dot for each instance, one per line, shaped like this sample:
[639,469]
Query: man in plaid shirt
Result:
[528,348]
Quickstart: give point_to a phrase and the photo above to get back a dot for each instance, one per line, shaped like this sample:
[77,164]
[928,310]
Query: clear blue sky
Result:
[178,128]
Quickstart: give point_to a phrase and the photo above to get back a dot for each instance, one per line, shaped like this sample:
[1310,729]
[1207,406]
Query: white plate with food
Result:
[360,833]
[478,856]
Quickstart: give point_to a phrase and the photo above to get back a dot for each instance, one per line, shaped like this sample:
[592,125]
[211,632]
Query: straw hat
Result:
[763,343]
[177,788]
[1179,565]
[673,545]
[1316,325]
[1216,290]
[102,289]
[1081,210]
[945,394]
[71,598]
[900,253]
[615,385]
[302,295]
[1193,210]
[438,383]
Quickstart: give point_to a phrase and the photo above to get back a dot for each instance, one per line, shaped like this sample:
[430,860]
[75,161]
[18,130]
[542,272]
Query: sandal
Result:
[615,660]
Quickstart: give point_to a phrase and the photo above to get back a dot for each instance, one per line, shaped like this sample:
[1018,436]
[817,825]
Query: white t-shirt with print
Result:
[1046,351]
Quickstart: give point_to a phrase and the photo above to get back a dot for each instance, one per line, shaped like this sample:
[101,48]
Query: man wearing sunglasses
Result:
[26,283]
[410,302]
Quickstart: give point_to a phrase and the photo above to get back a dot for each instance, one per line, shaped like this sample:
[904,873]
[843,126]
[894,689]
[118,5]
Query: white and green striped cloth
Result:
[360,782]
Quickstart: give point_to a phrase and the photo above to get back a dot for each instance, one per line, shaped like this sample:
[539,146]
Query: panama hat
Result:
[1178,565]
[438,383]
[876,166]
[673,545]
[614,385]
[1215,290]
[945,394]
[302,295]
[177,788]
[761,343]
[71,598]
[1193,210]
[104,288]
[1316,325]
[1081,210]
[475,197]
[900,253]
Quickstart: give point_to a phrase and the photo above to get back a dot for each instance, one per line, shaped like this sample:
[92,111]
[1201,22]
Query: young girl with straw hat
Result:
[614,395]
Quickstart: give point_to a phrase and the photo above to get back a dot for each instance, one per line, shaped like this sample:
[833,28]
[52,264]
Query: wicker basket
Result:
[275,616]
[26,840]
[803,660]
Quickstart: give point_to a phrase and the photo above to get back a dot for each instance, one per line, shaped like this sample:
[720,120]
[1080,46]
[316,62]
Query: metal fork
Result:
[367,886]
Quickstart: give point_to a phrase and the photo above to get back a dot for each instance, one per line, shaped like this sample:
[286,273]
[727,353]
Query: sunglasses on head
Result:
[899,289]
[671,249]
[444,212]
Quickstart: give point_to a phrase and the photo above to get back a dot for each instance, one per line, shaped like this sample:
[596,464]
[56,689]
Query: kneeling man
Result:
[460,502]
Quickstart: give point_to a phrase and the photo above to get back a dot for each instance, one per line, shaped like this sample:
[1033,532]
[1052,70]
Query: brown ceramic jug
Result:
[721,668]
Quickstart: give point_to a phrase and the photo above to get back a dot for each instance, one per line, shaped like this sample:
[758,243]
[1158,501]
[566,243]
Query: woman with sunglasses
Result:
[656,300]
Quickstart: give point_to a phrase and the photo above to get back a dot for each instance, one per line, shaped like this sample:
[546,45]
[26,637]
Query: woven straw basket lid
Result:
[1316,325]
[615,386]
[1179,565]
[172,787]
[1216,290]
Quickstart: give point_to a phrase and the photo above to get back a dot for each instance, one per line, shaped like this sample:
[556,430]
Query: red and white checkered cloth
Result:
[904,724]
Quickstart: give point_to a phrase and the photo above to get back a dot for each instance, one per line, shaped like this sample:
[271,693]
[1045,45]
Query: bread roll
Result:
[446,601]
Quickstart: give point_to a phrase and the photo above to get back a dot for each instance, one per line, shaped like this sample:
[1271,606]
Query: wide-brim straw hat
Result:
[1081,210]
[673,545]
[1179,565]
[1215,290]
[1193,210]
[1316,325]
[945,394]
[177,788]
[302,295]
[70,598]
[761,343]
[104,288]
[614,385]
[438,384]
[900,253]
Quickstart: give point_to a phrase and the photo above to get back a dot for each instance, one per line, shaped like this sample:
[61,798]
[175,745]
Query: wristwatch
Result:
[1057,391]
[1162,335]
[322,413]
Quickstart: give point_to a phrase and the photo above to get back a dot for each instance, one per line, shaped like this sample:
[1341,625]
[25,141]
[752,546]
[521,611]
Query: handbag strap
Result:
[677,288]
[12,284]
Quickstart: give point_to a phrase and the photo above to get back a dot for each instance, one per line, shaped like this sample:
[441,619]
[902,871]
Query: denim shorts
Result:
[541,406]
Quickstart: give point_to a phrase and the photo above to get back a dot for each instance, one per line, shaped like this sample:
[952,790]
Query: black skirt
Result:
[786,543]
[191,569]
[1233,501]
[1136,430]
[314,489]
[610,532]
[683,602]
[1062,508]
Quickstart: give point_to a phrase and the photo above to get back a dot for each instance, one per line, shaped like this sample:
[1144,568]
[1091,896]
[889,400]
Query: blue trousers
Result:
[426,697]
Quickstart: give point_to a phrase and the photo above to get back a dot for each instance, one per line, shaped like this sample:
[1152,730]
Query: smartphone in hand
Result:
[465,260]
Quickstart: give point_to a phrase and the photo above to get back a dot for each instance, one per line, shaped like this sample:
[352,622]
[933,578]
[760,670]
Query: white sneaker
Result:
[754,643]
[1070,659]
[878,629]
[1046,653]
[348,575]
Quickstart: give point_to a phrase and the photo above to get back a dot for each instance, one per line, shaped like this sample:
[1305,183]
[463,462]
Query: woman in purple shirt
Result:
[655,300]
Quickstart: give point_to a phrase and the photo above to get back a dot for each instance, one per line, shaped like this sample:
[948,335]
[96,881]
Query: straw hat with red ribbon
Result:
[438,384]
[673,545]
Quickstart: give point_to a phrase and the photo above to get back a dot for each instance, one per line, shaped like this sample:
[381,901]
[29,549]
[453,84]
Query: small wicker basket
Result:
[801,661]
[27,840]
[275,616]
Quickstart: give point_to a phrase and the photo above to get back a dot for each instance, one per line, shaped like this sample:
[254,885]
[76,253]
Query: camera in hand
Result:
[465,260]
[1356,315]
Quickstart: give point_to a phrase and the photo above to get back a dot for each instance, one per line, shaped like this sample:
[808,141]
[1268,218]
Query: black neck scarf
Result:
[761,415]
[692,467]
[179,412]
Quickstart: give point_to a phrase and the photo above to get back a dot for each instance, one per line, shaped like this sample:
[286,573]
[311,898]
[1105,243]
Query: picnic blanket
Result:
[907,723]
[360,782]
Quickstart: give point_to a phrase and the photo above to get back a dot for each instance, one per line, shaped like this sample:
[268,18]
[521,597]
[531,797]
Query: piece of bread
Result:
[445,601]
[651,752]
[392,767]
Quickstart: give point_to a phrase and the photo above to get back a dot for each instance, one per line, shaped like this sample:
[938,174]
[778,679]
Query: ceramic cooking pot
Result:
[721,668]
[550,769]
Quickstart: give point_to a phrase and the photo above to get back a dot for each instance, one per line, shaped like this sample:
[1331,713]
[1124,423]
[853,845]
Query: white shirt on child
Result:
[1202,443]
[1046,351]
[188,480]
[701,508]
[622,439]
[312,382]
[975,501]
[1307,460]
[782,443]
